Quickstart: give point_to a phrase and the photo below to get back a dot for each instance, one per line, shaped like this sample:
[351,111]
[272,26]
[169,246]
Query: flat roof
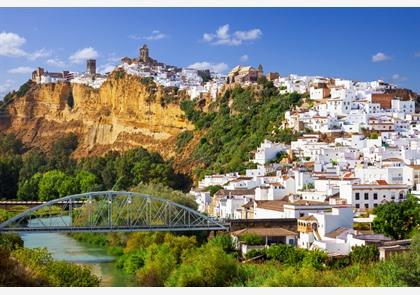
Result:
[265,232]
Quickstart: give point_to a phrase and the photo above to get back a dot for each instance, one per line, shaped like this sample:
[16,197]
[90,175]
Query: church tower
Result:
[260,71]
[144,54]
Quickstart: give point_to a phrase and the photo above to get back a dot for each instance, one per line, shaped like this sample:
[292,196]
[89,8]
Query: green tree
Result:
[34,161]
[207,266]
[10,145]
[29,188]
[50,185]
[68,186]
[61,153]
[397,220]
[9,175]
[87,182]
[158,264]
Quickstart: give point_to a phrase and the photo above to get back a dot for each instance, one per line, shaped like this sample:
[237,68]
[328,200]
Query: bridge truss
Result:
[110,211]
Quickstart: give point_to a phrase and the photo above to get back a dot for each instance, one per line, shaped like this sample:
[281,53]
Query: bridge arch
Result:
[110,211]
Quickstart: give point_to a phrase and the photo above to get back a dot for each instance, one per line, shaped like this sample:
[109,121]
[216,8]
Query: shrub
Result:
[255,253]
[183,138]
[251,239]
[364,254]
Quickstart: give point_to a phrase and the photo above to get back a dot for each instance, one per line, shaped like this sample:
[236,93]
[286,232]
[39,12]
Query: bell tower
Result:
[144,54]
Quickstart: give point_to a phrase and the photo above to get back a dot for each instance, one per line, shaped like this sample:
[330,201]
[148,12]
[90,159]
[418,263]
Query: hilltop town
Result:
[359,148]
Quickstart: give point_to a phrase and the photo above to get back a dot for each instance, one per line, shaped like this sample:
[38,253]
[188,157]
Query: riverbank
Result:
[66,248]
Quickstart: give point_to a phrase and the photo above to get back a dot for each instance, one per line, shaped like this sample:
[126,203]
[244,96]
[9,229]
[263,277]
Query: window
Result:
[357,206]
[357,196]
[366,196]
[375,205]
[401,196]
[366,206]
[375,196]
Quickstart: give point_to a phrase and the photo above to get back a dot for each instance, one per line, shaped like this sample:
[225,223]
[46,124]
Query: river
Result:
[63,247]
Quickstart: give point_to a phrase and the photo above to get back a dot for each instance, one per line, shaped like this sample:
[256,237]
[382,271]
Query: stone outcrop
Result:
[125,112]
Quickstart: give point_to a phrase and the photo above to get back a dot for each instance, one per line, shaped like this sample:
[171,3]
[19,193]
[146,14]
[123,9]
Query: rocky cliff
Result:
[125,112]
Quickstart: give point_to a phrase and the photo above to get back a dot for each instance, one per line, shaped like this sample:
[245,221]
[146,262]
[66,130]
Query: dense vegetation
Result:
[398,220]
[236,124]
[164,259]
[34,175]
[35,267]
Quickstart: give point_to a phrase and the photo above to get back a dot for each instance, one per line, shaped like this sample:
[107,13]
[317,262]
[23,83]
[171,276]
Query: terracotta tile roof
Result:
[382,182]
[392,160]
[307,203]
[276,205]
[335,233]
[236,192]
[265,232]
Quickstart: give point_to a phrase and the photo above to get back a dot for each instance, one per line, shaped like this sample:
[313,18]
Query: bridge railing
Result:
[110,211]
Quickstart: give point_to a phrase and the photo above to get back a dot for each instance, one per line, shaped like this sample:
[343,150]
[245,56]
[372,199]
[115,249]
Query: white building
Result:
[401,106]
[369,196]
[268,151]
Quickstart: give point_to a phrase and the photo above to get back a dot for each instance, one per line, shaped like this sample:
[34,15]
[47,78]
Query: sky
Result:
[361,44]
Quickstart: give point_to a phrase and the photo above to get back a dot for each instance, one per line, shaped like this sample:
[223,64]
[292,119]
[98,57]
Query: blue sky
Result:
[359,44]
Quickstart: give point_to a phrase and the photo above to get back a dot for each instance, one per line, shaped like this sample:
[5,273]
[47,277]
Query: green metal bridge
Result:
[110,211]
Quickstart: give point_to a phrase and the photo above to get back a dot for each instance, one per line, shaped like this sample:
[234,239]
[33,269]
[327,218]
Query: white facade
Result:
[405,107]
[268,151]
[369,196]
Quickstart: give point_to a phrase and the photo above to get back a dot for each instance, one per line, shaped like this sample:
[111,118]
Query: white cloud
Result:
[380,57]
[155,35]
[398,77]
[21,70]
[106,68]
[10,45]
[223,32]
[244,57]
[208,37]
[223,37]
[204,65]
[83,54]
[39,54]
[55,62]
[248,35]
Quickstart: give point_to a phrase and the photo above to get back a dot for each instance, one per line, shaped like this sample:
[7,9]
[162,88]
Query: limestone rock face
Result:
[125,112]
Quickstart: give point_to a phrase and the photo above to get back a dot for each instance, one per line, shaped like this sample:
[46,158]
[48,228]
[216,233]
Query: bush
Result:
[225,242]
[364,254]
[24,88]
[55,273]
[286,254]
[255,253]
[183,138]
[252,239]
[207,266]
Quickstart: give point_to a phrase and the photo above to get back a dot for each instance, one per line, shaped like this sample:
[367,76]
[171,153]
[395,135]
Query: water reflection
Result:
[63,247]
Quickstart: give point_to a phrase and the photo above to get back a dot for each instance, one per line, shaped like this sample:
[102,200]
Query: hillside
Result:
[125,112]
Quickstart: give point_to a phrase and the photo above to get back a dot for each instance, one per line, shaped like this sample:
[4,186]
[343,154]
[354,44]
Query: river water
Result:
[63,247]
